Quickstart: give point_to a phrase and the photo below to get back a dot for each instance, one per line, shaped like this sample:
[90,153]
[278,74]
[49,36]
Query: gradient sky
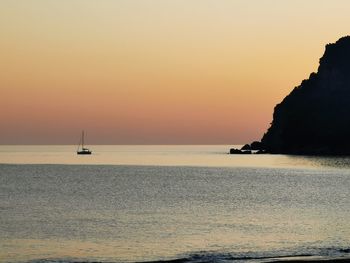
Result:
[155,71]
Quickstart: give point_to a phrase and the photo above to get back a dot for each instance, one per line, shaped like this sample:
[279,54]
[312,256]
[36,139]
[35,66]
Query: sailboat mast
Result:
[82,140]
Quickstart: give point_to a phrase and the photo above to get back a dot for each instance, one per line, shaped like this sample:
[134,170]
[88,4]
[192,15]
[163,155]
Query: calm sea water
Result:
[152,203]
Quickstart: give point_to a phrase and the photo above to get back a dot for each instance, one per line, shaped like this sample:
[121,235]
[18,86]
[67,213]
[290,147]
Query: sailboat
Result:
[82,150]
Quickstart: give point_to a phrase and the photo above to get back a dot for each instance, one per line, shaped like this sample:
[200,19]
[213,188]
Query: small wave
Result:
[216,257]
[225,258]
[270,256]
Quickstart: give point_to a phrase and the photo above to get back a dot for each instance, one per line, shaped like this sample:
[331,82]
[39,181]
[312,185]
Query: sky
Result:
[155,71]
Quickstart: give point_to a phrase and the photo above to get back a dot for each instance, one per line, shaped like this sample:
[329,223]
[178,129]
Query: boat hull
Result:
[84,152]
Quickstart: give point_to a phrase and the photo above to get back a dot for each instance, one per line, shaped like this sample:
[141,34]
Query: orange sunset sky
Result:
[155,71]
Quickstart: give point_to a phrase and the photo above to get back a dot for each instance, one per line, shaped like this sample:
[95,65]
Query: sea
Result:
[170,203]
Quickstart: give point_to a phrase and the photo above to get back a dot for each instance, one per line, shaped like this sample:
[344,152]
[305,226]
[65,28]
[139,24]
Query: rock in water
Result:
[315,117]
[246,147]
[257,146]
[235,151]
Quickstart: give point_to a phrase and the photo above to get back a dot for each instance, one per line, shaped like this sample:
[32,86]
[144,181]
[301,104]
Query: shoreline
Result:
[291,259]
[328,260]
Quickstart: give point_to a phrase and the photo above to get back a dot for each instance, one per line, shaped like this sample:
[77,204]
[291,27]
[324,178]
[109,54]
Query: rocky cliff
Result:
[315,117]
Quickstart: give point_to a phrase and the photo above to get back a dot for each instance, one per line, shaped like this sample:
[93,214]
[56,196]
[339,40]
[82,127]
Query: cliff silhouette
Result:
[315,117]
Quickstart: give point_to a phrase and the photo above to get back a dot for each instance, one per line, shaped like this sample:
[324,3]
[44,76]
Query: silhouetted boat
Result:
[83,150]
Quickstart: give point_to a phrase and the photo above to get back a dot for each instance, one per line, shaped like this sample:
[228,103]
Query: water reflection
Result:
[166,155]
